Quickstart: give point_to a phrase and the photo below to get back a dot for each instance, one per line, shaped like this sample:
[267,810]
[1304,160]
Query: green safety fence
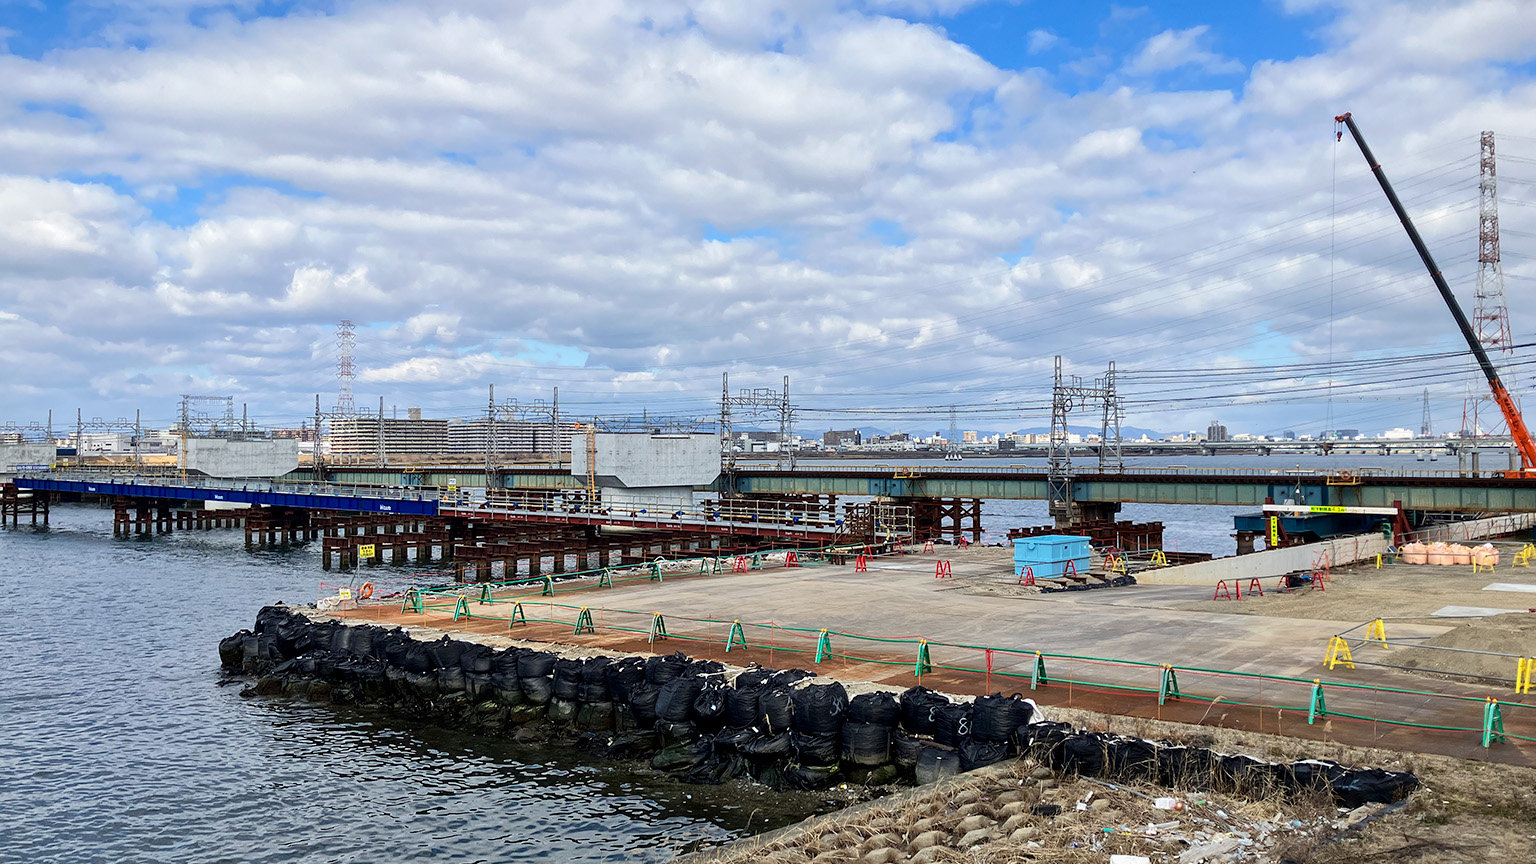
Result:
[820,644]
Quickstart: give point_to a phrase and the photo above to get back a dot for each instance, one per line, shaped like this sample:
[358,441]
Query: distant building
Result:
[842,438]
[1398,434]
[360,436]
[968,437]
[512,436]
[1216,432]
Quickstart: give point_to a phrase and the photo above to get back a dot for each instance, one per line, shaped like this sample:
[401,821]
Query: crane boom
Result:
[1518,433]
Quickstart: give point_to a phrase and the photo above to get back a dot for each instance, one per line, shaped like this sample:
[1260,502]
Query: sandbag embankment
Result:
[705,724]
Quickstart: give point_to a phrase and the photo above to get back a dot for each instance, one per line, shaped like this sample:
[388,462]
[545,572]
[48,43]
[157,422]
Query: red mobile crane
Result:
[1517,429]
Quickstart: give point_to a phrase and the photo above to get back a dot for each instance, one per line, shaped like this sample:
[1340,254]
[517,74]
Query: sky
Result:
[906,206]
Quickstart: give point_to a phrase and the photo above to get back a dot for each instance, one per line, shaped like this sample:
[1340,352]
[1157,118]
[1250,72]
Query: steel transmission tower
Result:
[1426,429]
[346,341]
[952,448]
[1489,314]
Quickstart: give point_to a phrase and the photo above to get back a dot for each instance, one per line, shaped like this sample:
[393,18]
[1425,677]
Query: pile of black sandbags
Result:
[1117,757]
[772,725]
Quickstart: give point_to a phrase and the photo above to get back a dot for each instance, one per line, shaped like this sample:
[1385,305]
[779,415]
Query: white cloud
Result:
[1176,49]
[464,180]
[1041,40]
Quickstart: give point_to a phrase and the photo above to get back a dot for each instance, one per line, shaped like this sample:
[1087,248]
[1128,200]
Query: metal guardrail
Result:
[919,472]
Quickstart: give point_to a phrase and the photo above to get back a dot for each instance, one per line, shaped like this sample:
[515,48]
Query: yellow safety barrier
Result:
[1338,653]
[1376,631]
[1159,559]
[1378,560]
[1523,557]
[1523,672]
[1114,564]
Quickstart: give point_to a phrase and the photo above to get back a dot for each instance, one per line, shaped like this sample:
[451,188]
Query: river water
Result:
[118,742]
[121,743]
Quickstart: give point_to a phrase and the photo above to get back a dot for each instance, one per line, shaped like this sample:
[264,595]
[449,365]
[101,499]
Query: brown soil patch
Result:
[1505,634]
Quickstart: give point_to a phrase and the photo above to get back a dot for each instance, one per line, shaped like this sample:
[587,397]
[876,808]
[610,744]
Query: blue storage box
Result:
[1048,555]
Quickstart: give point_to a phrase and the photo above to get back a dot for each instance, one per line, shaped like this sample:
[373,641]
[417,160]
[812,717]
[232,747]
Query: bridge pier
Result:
[14,502]
[933,518]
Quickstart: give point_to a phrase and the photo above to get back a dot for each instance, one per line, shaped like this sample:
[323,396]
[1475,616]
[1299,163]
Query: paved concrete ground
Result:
[899,599]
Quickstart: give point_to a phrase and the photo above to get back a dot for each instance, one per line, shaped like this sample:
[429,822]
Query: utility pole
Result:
[554,426]
[727,447]
[138,435]
[382,456]
[490,440]
[346,341]
[786,430]
[1111,450]
[317,461]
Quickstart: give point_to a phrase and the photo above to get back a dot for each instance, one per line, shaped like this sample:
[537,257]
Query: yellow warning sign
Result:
[1274,531]
[344,594]
[367,550]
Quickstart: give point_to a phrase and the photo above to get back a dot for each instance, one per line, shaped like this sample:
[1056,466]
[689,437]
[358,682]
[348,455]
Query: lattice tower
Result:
[1490,316]
[346,342]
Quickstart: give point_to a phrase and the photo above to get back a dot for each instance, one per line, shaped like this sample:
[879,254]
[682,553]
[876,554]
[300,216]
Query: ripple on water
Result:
[120,744]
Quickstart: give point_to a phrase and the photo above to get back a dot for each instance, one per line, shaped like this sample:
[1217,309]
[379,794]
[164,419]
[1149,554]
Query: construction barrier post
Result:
[942,570]
[1159,559]
[655,571]
[1168,688]
[735,637]
[549,587]
[1222,592]
[924,661]
[1319,708]
[461,609]
[517,615]
[791,560]
[584,622]
[1253,585]
[860,564]
[485,593]
[1523,671]
[1038,678]
[1523,557]
[739,564]
[1378,560]
[823,647]
[928,546]
[1338,653]
[658,628]
[1376,631]
[412,601]
[1493,722]
[1027,576]
[605,578]
[757,561]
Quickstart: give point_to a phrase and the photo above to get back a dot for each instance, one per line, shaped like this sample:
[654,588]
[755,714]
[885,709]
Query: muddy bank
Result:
[705,723]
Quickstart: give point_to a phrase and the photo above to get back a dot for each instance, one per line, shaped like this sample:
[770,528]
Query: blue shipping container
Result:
[1048,555]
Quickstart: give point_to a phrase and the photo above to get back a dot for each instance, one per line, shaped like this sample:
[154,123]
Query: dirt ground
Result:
[1463,812]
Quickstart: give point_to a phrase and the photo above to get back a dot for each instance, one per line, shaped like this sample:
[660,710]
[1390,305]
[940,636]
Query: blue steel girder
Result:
[351,503]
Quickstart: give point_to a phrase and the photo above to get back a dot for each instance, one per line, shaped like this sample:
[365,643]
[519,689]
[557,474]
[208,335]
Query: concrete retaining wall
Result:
[1340,550]
[264,458]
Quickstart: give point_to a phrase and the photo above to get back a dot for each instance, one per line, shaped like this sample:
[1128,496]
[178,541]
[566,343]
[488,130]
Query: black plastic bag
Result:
[952,723]
[978,754]
[996,717]
[918,705]
[936,762]
[819,708]
[816,749]
[623,675]
[660,670]
[539,689]
[675,701]
[776,709]
[867,743]
[880,708]
[535,664]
